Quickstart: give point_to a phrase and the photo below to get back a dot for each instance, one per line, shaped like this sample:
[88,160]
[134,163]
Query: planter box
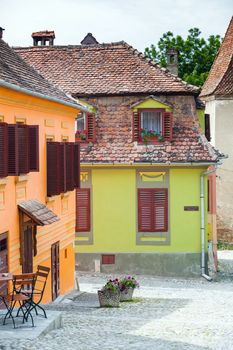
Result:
[126,294]
[108,298]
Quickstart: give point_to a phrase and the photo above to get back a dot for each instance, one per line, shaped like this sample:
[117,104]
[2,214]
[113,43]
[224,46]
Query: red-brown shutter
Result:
[76,165]
[136,126]
[160,200]
[145,210]
[53,168]
[83,221]
[153,210]
[69,165]
[3,149]
[13,150]
[167,126]
[91,127]
[33,147]
[62,166]
[23,148]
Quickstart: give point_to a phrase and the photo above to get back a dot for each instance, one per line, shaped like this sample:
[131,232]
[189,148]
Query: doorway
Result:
[3,260]
[55,265]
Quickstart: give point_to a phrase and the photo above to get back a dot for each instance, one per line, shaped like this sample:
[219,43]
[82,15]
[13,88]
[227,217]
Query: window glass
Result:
[81,122]
[152,121]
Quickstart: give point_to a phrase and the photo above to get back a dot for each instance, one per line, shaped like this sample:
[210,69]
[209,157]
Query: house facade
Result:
[217,93]
[37,207]
[144,160]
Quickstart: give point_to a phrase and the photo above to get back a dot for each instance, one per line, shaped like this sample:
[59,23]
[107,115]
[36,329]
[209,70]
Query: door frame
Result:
[55,252]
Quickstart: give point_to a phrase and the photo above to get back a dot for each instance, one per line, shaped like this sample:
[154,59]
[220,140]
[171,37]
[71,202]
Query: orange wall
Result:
[55,120]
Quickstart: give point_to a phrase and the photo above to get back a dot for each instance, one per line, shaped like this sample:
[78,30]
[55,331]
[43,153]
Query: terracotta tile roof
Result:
[38,212]
[187,145]
[14,70]
[103,69]
[47,33]
[220,79]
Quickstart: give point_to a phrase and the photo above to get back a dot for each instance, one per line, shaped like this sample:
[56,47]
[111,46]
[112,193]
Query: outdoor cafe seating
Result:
[24,296]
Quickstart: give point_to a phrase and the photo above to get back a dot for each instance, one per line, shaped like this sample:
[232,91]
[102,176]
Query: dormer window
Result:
[85,127]
[151,120]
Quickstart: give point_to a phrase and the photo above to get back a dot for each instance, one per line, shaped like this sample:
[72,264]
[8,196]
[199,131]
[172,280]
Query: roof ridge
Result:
[163,69]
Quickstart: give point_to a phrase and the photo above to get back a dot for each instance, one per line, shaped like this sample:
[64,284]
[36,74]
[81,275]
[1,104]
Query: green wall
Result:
[115,211]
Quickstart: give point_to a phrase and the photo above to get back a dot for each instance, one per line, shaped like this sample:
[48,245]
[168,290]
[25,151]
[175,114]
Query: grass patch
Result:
[221,245]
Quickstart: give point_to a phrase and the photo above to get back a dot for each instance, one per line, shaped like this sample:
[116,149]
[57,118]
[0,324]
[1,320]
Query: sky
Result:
[138,22]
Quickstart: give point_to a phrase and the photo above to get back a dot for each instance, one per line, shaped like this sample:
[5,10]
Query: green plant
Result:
[128,282]
[111,285]
[149,135]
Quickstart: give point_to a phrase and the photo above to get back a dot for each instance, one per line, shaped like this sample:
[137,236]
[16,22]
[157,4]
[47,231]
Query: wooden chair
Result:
[20,283]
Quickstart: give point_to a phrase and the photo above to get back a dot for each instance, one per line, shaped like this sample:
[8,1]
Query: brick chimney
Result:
[1,32]
[43,37]
[172,61]
[89,40]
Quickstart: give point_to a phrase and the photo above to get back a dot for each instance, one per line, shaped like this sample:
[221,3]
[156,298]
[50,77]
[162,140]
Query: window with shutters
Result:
[152,210]
[152,125]
[83,213]
[85,127]
[63,167]
[207,127]
[19,149]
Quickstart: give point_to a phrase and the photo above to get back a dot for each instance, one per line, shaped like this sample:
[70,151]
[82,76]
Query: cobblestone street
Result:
[166,314]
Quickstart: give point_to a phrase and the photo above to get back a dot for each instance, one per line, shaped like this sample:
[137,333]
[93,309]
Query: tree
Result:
[195,54]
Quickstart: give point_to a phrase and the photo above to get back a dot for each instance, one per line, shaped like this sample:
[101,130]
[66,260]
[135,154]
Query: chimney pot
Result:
[172,61]
[1,32]
[43,37]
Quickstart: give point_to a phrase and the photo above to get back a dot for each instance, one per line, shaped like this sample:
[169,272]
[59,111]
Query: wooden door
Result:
[27,248]
[55,264]
[3,260]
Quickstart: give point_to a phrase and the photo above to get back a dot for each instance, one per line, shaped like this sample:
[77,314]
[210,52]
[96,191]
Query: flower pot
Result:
[78,139]
[108,298]
[126,294]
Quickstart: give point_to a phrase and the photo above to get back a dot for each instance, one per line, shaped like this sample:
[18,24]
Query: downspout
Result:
[202,205]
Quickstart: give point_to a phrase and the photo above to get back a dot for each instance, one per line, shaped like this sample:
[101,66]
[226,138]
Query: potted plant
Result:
[127,286]
[150,135]
[80,135]
[109,295]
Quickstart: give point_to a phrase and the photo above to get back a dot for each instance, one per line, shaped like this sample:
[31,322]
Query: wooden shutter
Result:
[83,221]
[62,167]
[152,210]
[33,147]
[167,126]
[23,148]
[13,151]
[53,168]
[69,165]
[160,202]
[3,149]
[91,127]
[145,210]
[136,126]
[207,127]
[76,165]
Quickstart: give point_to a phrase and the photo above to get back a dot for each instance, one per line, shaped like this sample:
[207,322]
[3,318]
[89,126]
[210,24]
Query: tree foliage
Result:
[196,54]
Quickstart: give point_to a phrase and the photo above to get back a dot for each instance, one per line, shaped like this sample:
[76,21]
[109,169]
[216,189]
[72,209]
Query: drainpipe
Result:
[202,204]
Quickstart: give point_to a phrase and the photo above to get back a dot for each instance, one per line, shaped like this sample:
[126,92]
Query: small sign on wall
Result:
[191,208]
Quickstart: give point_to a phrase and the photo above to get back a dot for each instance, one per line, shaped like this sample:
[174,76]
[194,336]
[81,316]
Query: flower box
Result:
[127,294]
[109,298]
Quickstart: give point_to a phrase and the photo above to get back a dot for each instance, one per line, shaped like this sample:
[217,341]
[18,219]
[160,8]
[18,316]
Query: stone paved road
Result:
[167,314]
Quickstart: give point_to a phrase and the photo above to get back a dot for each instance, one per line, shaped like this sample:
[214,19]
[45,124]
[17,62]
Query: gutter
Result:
[42,96]
[194,164]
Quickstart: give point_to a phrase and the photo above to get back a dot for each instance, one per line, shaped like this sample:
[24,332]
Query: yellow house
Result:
[142,205]
[37,205]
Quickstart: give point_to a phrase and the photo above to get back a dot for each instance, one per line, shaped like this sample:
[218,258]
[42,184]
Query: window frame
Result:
[156,110]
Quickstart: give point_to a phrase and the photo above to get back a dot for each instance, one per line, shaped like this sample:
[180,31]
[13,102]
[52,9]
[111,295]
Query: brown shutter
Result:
[207,127]
[69,165]
[3,149]
[145,210]
[23,148]
[53,168]
[160,200]
[76,165]
[62,166]
[167,126]
[153,210]
[33,147]
[83,210]
[91,127]
[13,161]
[136,126]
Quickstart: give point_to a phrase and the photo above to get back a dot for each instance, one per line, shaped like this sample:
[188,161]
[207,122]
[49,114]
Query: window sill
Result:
[50,199]
[21,178]
[3,181]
